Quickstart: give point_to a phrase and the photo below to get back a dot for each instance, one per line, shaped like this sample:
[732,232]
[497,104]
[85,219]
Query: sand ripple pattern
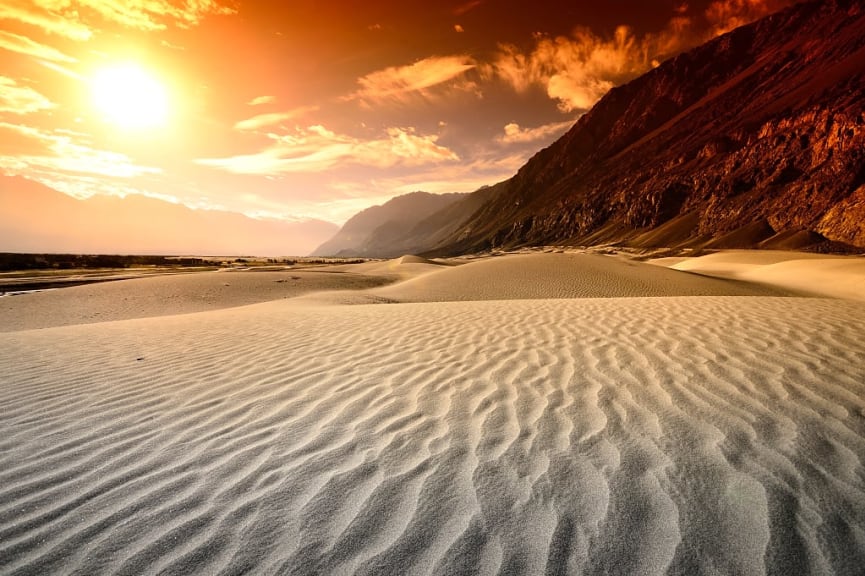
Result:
[689,435]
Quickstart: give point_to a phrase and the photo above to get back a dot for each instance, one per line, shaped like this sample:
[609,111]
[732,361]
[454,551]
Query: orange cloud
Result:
[315,149]
[21,100]
[261,121]
[151,14]
[406,147]
[575,71]
[22,45]
[259,100]
[33,14]
[272,119]
[398,81]
[515,134]
[725,15]
[62,17]
[578,70]
[62,156]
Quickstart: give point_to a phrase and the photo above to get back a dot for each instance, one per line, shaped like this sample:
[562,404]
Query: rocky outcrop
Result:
[758,134]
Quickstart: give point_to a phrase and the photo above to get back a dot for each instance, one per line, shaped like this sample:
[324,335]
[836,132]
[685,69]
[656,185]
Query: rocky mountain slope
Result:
[756,138]
[35,218]
[390,229]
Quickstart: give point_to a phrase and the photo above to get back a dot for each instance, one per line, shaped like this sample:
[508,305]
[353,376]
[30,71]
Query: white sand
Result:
[619,435]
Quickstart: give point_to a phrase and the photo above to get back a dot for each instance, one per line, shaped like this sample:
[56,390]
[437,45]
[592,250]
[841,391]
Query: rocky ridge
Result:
[756,138]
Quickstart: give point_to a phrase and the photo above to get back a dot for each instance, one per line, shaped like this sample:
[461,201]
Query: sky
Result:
[303,109]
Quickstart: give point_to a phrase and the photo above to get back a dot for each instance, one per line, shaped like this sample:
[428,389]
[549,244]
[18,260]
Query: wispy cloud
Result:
[62,17]
[262,121]
[21,100]
[60,69]
[151,14]
[398,81]
[53,22]
[62,154]
[316,148]
[259,100]
[24,45]
[467,7]
[515,134]
[271,119]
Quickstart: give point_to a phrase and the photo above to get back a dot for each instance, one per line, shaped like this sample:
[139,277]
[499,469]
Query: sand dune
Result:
[819,274]
[568,275]
[838,278]
[619,435]
[402,268]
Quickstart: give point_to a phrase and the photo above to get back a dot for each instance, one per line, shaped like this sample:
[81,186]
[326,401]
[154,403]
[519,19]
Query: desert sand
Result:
[525,414]
[168,294]
[818,274]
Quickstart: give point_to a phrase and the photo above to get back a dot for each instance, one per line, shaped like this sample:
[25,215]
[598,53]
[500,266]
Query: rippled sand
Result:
[673,434]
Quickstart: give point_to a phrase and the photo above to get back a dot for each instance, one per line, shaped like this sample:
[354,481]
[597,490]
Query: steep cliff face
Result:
[756,137]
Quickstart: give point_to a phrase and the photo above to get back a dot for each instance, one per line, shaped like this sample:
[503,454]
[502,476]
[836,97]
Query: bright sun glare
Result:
[129,97]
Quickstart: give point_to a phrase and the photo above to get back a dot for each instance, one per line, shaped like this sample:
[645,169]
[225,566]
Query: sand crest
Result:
[618,435]
[819,274]
[561,275]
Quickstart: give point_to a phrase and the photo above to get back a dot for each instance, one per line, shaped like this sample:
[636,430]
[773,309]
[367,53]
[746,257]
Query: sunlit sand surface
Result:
[837,276]
[164,295]
[531,414]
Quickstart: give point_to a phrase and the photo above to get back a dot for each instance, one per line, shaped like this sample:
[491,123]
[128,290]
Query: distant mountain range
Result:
[37,219]
[392,229]
[755,139]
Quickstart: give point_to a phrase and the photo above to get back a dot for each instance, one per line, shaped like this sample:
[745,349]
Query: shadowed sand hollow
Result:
[687,434]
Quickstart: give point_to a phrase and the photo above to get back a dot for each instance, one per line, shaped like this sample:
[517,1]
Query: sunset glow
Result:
[129,97]
[302,110]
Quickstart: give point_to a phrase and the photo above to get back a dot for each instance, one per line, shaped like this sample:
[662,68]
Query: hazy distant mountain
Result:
[35,218]
[388,230]
[755,138]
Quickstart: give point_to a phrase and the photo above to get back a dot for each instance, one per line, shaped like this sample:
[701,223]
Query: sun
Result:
[129,97]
